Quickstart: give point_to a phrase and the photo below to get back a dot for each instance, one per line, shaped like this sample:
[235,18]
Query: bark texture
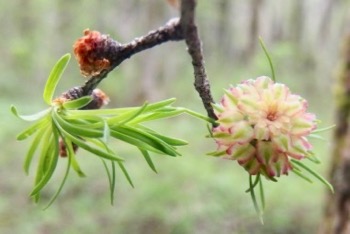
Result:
[337,210]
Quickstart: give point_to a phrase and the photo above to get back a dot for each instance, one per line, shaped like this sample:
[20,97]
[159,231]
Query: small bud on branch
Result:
[93,61]
[97,61]
[91,51]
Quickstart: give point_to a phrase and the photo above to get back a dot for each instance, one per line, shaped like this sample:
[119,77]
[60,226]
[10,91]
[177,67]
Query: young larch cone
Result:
[93,52]
[262,126]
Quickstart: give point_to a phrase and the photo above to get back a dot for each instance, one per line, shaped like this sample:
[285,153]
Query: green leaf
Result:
[217,107]
[71,154]
[85,146]
[323,129]
[81,131]
[200,116]
[43,123]
[126,117]
[111,178]
[134,141]
[262,44]
[157,115]
[112,181]
[256,181]
[51,159]
[133,115]
[35,144]
[30,118]
[217,153]
[120,164]
[314,136]
[231,97]
[262,194]
[315,174]
[148,159]
[159,105]
[54,78]
[125,172]
[83,117]
[93,149]
[168,140]
[209,128]
[77,103]
[301,175]
[99,112]
[127,110]
[61,185]
[106,132]
[44,155]
[313,158]
[222,135]
[147,139]
[252,194]
[85,121]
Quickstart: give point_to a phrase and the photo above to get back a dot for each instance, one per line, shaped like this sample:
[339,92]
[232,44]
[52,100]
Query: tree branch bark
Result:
[337,210]
[120,52]
[190,32]
[109,53]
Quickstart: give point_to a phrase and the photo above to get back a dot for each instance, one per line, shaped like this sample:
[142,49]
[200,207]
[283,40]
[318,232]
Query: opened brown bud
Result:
[63,149]
[91,52]
[99,99]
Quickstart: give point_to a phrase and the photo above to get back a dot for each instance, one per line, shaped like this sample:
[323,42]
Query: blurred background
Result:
[194,193]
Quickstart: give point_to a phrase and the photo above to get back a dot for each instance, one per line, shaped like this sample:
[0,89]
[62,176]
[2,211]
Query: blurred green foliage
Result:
[191,194]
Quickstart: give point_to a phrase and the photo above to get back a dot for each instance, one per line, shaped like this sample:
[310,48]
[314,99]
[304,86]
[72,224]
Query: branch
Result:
[194,44]
[98,54]
[170,32]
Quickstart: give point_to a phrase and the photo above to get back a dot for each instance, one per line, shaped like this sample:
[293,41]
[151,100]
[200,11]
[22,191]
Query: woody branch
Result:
[99,54]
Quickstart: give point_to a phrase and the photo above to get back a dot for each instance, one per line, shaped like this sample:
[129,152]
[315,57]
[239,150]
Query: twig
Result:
[109,54]
[201,82]
[120,52]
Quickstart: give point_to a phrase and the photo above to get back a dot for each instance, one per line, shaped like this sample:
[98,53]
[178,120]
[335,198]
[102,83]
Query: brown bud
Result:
[99,99]
[63,149]
[90,51]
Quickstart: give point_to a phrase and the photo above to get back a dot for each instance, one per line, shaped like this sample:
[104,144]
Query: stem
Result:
[120,52]
[175,30]
[262,44]
[201,82]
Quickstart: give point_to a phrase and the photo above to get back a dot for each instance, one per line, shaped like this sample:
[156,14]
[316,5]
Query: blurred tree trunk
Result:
[337,210]
[253,28]
[277,34]
[297,20]
[150,63]
[326,19]
[224,27]
[25,20]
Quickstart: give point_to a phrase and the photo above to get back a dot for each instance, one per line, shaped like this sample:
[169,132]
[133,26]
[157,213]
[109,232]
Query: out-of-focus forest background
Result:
[194,193]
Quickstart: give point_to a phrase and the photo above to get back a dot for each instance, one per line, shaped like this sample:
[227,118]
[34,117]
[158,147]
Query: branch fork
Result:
[98,54]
